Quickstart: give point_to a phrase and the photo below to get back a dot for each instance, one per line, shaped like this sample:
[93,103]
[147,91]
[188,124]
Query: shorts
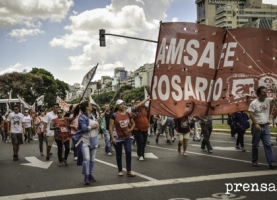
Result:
[183,136]
[50,140]
[16,138]
[162,128]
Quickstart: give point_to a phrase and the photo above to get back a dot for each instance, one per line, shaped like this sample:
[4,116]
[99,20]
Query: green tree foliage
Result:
[32,85]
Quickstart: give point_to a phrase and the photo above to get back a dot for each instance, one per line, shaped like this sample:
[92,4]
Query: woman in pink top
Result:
[74,127]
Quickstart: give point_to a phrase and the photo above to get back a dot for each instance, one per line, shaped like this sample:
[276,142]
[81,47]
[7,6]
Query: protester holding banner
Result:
[183,131]
[140,132]
[206,129]
[62,136]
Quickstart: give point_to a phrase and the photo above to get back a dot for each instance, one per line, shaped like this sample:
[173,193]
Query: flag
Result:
[26,105]
[89,76]
[33,107]
[40,100]
[93,102]
[63,105]
[145,96]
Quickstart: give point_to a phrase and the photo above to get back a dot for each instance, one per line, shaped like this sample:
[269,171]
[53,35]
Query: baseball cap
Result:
[119,101]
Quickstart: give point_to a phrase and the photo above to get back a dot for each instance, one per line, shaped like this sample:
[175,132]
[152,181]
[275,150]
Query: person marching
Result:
[28,126]
[62,136]
[40,128]
[121,127]
[183,130]
[15,129]
[259,114]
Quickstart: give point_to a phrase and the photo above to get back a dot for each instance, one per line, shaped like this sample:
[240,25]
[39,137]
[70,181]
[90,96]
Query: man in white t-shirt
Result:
[259,114]
[49,134]
[16,126]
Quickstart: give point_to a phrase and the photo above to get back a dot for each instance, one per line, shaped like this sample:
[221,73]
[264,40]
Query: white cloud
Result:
[175,19]
[21,33]
[29,12]
[121,17]
[14,68]
[140,1]
[273,2]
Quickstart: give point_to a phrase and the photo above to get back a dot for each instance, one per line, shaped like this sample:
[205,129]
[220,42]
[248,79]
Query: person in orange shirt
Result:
[140,116]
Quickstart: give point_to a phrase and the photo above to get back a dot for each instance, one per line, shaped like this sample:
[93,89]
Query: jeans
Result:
[128,152]
[141,139]
[206,131]
[107,141]
[74,147]
[41,138]
[60,147]
[263,135]
[88,159]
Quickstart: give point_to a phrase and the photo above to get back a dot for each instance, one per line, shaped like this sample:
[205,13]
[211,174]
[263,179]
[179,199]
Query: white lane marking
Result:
[261,144]
[137,174]
[220,148]
[146,155]
[67,192]
[34,162]
[210,155]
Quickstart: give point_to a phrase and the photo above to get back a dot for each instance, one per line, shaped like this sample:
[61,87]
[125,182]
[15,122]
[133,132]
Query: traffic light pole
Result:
[102,35]
[132,37]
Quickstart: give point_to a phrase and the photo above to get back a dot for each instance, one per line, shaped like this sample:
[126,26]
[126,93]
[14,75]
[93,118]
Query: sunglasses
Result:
[59,112]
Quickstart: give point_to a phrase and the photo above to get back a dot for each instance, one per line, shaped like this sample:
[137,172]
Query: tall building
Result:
[233,13]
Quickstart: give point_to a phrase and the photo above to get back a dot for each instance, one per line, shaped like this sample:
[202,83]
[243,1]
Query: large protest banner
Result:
[202,69]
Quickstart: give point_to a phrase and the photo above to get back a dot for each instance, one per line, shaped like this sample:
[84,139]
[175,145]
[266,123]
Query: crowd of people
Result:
[78,130]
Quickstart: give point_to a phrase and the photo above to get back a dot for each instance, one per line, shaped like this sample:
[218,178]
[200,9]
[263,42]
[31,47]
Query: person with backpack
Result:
[120,128]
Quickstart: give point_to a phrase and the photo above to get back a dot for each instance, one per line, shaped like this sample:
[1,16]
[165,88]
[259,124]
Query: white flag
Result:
[89,76]
[26,105]
[93,102]
[145,96]
[40,100]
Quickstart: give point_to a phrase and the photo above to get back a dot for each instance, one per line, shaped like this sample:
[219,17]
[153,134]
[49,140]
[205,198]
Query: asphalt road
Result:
[227,173]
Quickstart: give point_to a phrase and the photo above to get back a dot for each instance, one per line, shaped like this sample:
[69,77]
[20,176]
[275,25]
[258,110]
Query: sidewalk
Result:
[228,131]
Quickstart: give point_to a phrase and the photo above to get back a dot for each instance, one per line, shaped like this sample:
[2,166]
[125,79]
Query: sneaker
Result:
[255,164]
[47,158]
[141,158]
[272,165]
[86,180]
[75,158]
[51,154]
[210,151]
[237,147]
[147,142]
[109,154]
[91,178]
[173,140]
[203,149]
[157,140]
[243,149]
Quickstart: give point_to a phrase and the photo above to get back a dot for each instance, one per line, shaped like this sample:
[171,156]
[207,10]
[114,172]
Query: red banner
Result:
[202,69]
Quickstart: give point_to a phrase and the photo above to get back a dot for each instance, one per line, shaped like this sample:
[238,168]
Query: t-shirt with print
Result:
[16,122]
[261,110]
[48,119]
[28,121]
[122,123]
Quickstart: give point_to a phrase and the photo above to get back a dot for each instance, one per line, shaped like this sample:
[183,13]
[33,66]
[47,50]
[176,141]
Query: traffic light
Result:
[102,38]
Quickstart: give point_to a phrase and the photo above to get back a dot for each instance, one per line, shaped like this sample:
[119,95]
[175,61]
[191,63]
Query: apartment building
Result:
[233,13]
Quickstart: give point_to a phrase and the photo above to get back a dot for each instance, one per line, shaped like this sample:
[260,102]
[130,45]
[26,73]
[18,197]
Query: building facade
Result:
[233,13]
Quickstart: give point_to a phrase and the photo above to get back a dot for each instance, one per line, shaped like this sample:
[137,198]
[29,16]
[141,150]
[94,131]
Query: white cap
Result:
[119,101]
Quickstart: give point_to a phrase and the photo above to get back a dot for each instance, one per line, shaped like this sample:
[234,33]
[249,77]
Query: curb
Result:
[247,132]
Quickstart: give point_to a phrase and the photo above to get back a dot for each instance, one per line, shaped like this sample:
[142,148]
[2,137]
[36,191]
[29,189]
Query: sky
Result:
[62,36]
